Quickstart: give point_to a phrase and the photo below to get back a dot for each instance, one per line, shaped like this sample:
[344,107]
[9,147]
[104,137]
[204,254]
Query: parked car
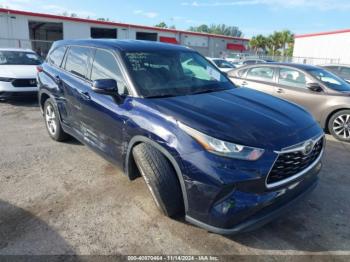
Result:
[342,71]
[252,62]
[229,159]
[324,94]
[18,72]
[222,64]
[236,57]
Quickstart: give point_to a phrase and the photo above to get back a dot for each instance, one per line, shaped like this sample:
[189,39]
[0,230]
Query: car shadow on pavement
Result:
[27,101]
[319,222]
[22,233]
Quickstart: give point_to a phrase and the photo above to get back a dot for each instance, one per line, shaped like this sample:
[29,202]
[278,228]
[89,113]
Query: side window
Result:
[261,73]
[56,56]
[249,62]
[241,72]
[345,72]
[292,78]
[334,69]
[105,67]
[78,60]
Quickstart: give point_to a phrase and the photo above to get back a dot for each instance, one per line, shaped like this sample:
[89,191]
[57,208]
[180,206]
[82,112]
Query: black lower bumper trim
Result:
[255,222]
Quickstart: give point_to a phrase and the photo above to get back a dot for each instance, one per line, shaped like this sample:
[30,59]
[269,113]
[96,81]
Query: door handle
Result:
[57,79]
[244,83]
[279,90]
[85,95]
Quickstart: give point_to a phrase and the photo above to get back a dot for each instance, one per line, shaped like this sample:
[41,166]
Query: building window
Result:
[97,32]
[146,36]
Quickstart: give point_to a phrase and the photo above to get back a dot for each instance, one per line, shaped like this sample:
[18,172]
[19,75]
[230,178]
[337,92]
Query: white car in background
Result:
[18,72]
[222,64]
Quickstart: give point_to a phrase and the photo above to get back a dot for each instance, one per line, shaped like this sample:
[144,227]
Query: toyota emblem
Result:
[308,147]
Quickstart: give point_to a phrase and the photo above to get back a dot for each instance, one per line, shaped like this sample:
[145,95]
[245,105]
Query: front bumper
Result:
[260,218]
[227,196]
[7,87]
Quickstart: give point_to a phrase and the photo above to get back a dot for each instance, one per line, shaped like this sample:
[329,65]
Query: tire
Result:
[160,178]
[52,121]
[339,125]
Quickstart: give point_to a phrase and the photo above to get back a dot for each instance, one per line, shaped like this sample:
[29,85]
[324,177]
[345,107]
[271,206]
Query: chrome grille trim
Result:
[295,148]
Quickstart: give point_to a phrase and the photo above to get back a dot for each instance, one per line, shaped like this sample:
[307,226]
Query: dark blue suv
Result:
[229,159]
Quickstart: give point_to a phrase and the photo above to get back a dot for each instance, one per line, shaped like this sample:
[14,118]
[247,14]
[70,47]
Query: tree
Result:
[161,25]
[103,19]
[287,39]
[258,43]
[278,43]
[164,25]
[275,41]
[220,29]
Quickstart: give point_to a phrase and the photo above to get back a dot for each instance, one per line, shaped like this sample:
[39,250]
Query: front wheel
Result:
[339,125]
[52,121]
[160,178]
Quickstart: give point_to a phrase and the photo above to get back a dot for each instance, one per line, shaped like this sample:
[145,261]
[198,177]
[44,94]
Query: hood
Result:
[242,116]
[18,71]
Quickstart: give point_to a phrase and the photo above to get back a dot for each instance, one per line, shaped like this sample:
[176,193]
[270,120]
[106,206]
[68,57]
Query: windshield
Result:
[174,73]
[223,63]
[19,58]
[330,80]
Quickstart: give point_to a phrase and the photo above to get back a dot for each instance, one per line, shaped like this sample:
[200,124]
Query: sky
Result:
[251,16]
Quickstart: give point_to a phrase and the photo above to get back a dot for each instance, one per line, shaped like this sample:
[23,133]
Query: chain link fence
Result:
[41,47]
[302,60]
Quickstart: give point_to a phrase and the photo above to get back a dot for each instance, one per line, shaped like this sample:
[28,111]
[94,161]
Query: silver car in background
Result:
[321,92]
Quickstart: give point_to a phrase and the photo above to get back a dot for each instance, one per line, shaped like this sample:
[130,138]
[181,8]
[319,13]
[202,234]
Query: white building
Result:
[37,31]
[325,47]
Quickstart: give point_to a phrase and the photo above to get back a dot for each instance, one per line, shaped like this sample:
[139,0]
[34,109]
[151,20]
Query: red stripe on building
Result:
[235,47]
[324,33]
[171,40]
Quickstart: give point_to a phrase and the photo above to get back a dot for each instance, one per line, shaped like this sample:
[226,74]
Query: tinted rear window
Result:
[56,56]
[78,60]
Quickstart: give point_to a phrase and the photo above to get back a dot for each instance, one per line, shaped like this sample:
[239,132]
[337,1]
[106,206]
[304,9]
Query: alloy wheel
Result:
[50,117]
[341,126]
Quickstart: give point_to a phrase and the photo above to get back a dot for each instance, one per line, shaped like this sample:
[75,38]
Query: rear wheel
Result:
[339,125]
[52,121]
[160,178]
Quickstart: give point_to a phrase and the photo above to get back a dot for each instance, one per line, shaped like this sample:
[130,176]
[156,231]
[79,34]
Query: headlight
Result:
[223,148]
[6,79]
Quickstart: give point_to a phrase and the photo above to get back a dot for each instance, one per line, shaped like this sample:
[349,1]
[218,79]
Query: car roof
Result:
[340,65]
[17,49]
[295,65]
[124,45]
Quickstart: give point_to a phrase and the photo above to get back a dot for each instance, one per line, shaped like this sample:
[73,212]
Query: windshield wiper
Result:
[161,96]
[206,91]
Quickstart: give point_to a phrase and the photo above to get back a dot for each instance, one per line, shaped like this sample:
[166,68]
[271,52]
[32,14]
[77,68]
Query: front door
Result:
[292,87]
[104,116]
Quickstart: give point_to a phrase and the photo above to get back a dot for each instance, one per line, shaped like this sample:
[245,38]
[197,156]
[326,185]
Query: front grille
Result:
[24,82]
[292,163]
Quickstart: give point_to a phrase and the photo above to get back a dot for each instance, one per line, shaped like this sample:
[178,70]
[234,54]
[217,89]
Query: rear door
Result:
[292,86]
[261,78]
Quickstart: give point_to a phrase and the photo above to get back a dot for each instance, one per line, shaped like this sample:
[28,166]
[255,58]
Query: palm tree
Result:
[275,42]
[287,38]
[258,43]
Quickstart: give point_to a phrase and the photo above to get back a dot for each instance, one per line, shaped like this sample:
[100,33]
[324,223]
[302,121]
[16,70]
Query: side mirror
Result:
[105,86]
[315,87]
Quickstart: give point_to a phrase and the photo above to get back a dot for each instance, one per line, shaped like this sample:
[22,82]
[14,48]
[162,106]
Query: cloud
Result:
[146,14]
[317,4]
